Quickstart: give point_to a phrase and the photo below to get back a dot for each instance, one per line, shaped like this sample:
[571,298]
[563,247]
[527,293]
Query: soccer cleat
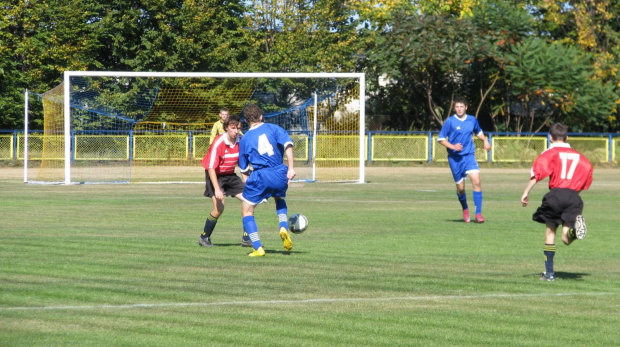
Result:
[205,242]
[466,216]
[286,239]
[260,252]
[246,243]
[580,227]
[548,278]
[478,218]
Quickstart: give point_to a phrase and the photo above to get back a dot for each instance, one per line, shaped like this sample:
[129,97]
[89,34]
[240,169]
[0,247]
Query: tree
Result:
[458,8]
[555,82]
[592,26]
[305,36]
[500,25]
[430,54]
[155,35]
[41,39]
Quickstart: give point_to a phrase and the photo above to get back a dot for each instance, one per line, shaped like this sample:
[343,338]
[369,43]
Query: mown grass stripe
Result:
[303,301]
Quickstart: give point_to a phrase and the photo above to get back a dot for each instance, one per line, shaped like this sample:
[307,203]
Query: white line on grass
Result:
[303,301]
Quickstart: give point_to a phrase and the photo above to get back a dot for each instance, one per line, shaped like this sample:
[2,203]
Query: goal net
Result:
[131,127]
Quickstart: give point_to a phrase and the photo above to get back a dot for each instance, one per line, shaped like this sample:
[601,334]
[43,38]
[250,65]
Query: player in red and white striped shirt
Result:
[219,163]
[569,173]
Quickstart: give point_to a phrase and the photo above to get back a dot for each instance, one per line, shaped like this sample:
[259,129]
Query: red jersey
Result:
[565,167]
[222,156]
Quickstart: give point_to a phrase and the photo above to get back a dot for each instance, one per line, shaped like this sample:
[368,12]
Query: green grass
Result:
[387,263]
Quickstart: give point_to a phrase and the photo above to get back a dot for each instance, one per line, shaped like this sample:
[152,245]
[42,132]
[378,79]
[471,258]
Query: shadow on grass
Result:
[577,276]
[461,221]
[249,249]
[273,251]
[238,244]
[574,276]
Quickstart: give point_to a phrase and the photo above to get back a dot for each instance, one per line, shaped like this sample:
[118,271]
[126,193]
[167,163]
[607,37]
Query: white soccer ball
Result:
[298,223]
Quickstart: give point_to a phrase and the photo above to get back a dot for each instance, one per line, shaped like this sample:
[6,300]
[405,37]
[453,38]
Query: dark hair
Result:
[558,131]
[252,113]
[460,99]
[232,119]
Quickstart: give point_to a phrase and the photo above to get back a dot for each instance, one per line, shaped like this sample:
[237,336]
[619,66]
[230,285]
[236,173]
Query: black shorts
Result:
[231,185]
[560,206]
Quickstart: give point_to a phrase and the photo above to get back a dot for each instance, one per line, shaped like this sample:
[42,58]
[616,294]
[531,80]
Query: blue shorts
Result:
[462,165]
[265,183]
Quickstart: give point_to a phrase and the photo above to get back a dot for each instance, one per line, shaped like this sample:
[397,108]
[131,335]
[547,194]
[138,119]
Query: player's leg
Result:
[568,235]
[218,209]
[549,253]
[233,185]
[461,195]
[254,192]
[474,176]
[282,212]
[250,226]
[245,239]
[277,181]
[571,216]
[459,179]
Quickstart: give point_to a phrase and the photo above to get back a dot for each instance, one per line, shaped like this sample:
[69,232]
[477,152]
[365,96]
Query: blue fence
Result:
[381,146]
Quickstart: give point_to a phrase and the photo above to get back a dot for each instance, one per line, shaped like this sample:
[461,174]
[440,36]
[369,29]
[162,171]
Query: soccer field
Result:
[387,263]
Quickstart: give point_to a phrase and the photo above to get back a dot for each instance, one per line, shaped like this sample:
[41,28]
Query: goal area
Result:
[154,127]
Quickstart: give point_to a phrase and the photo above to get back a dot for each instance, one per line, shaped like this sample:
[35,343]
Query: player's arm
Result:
[245,173]
[290,161]
[217,190]
[444,135]
[214,133]
[487,145]
[457,147]
[525,198]
[243,164]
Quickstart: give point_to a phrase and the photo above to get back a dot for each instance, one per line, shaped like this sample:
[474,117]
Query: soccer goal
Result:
[132,127]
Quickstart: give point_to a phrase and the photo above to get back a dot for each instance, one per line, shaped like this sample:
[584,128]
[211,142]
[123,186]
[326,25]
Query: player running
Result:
[569,173]
[260,156]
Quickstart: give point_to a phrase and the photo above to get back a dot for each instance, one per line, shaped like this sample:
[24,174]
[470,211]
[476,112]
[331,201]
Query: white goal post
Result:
[316,151]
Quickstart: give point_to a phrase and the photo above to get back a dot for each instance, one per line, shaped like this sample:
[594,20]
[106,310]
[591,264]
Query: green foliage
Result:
[305,36]
[429,51]
[43,39]
[555,82]
[594,28]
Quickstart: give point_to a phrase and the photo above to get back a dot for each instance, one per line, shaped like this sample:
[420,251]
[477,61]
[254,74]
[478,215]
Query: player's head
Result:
[224,114]
[252,114]
[232,119]
[460,100]
[558,132]
[460,106]
[232,126]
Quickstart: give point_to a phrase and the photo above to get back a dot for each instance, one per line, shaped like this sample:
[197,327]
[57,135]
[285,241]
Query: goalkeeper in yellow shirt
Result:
[218,127]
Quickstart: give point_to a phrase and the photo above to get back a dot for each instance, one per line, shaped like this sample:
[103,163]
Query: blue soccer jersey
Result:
[457,130]
[263,147]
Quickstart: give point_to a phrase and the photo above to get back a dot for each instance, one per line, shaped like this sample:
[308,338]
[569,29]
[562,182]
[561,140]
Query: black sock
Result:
[549,252]
[209,226]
